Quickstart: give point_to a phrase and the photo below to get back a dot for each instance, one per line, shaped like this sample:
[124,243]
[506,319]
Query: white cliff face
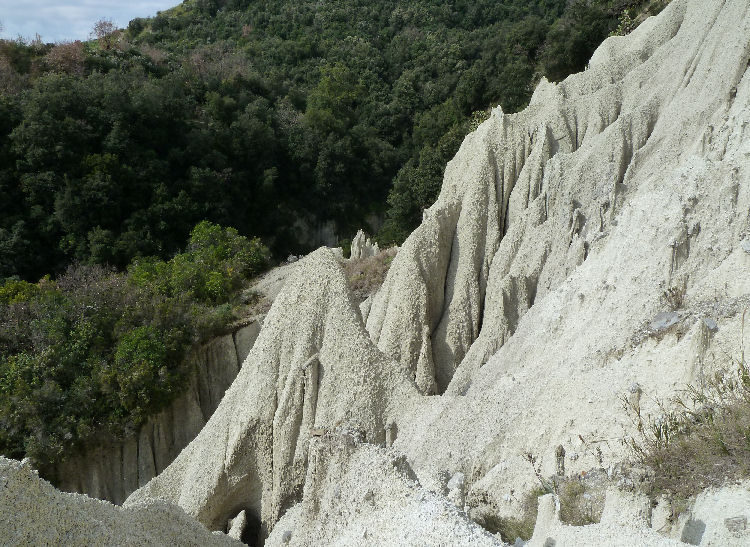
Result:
[514,319]
[112,470]
[646,187]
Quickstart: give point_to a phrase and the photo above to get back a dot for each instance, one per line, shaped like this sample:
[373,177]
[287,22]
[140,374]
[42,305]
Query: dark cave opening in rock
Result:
[252,534]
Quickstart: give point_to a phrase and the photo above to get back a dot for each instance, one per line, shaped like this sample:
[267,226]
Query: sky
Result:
[61,20]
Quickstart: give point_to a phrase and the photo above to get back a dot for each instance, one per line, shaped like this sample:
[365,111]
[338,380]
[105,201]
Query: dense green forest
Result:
[263,117]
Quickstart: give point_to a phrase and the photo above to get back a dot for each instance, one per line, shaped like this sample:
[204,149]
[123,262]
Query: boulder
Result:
[33,512]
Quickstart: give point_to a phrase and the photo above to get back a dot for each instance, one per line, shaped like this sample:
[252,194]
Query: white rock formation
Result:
[362,247]
[113,470]
[270,284]
[312,369]
[528,291]
[33,512]
[583,171]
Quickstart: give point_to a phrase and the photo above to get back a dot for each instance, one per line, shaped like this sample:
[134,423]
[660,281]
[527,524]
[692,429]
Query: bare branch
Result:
[103,31]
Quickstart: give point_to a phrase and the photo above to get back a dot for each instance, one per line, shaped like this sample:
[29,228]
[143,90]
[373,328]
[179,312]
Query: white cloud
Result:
[57,20]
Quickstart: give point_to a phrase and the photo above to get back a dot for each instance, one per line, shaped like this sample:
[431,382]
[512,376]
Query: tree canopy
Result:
[266,116]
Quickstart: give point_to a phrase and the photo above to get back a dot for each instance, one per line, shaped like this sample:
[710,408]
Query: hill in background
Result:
[292,121]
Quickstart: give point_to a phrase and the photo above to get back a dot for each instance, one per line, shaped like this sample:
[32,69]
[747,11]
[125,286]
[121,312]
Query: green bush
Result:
[151,272]
[13,291]
[145,376]
[97,351]
[215,264]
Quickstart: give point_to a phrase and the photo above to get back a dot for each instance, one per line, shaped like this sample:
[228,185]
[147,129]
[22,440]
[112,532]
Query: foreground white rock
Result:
[719,517]
[32,512]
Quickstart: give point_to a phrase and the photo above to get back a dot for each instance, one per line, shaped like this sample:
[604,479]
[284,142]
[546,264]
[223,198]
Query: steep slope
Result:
[313,368]
[647,189]
[531,298]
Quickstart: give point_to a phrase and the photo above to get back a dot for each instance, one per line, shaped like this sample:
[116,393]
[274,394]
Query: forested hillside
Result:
[259,115]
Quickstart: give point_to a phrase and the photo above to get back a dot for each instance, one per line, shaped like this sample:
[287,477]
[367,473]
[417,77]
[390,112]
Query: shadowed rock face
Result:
[113,470]
[525,299]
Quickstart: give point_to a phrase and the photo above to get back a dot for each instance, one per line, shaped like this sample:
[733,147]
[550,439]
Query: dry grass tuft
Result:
[674,295]
[577,505]
[366,275]
[702,440]
[511,528]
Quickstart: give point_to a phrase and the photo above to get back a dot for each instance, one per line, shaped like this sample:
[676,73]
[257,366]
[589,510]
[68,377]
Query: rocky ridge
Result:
[303,376]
